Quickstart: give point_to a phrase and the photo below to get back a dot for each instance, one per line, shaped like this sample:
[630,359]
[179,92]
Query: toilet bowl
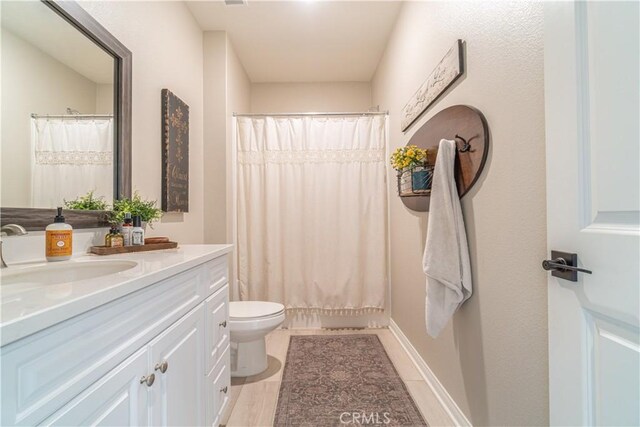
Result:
[249,323]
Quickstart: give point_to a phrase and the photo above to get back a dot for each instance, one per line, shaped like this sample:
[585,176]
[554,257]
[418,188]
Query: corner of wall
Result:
[226,90]
[215,104]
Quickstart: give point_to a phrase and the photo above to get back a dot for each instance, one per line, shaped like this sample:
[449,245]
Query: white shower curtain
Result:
[312,212]
[69,158]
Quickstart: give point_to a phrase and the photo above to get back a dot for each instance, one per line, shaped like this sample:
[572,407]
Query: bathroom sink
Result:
[63,272]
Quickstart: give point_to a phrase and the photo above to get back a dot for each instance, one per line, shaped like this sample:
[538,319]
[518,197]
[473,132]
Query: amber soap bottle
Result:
[59,239]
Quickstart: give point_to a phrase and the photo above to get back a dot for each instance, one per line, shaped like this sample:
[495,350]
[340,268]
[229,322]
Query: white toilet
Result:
[249,323]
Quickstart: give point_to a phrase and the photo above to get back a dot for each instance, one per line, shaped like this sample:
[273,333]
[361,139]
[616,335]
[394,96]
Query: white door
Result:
[177,358]
[593,207]
[117,399]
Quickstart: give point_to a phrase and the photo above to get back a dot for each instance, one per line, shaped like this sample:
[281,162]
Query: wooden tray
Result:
[104,250]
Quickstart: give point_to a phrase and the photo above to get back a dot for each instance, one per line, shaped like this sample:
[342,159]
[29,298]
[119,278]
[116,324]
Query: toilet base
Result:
[248,358]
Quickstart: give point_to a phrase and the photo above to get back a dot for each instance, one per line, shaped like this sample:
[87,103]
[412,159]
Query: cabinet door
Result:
[218,390]
[178,394]
[217,326]
[117,399]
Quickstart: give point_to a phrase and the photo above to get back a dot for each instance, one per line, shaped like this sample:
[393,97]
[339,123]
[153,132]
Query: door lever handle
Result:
[561,264]
[564,265]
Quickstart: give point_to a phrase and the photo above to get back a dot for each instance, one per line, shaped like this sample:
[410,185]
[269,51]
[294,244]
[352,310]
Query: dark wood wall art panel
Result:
[175,153]
[468,124]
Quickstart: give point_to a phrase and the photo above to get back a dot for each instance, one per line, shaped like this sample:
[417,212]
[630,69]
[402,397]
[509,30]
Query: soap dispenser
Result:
[59,239]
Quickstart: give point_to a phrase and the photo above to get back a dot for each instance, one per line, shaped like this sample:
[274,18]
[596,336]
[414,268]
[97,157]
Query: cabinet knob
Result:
[224,389]
[162,367]
[223,324]
[149,379]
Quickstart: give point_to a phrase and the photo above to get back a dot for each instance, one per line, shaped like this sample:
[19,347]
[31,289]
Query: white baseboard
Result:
[447,402]
[316,321]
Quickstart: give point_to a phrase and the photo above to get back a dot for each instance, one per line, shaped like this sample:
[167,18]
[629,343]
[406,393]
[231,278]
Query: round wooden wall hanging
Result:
[465,125]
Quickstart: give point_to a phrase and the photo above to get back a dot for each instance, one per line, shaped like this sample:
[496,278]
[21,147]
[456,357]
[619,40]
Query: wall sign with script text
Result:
[448,70]
[175,153]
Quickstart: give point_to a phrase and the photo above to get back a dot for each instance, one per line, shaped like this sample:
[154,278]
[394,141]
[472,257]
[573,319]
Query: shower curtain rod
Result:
[71,116]
[364,113]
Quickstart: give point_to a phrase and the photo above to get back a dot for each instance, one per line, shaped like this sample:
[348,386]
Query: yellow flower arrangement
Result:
[409,156]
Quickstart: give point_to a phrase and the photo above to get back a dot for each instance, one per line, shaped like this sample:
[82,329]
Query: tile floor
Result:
[254,399]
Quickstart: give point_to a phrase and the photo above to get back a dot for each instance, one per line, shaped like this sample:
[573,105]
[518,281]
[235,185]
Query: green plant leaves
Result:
[88,202]
[146,209]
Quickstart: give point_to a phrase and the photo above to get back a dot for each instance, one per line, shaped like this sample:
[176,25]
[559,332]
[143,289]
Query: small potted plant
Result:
[414,160]
[88,202]
[146,209]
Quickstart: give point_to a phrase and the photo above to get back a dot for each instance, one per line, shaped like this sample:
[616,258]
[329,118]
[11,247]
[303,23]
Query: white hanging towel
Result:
[446,254]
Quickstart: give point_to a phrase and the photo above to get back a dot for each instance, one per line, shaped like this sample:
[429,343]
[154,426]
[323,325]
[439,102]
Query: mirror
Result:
[66,110]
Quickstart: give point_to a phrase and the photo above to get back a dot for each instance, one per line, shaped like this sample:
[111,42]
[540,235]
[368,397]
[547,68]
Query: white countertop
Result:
[27,311]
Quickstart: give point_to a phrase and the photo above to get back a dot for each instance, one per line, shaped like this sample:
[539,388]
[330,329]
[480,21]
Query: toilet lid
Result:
[254,309]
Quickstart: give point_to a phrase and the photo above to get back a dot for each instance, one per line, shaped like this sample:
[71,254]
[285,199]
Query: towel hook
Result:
[466,147]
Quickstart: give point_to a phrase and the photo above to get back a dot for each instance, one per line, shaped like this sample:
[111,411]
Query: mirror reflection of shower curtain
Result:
[70,157]
[312,212]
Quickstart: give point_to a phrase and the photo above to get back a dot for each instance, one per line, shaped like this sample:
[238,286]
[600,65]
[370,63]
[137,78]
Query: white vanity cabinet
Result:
[158,356]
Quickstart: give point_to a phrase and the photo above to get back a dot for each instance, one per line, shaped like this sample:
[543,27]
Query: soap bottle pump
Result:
[59,239]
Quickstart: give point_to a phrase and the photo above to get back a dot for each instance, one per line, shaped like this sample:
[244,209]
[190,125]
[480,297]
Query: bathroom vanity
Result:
[143,342]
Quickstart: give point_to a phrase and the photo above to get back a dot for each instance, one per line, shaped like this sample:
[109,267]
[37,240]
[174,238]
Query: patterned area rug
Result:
[340,380]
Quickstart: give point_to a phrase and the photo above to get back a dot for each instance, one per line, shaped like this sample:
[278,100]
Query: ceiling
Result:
[304,40]
[38,25]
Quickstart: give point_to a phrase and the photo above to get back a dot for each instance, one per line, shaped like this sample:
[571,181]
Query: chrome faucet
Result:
[10,230]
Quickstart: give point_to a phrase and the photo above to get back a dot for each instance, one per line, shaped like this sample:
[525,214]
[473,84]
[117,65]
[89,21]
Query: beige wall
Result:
[104,99]
[32,82]
[215,136]
[310,97]
[166,43]
[238,101]
[492,358]
[227,90]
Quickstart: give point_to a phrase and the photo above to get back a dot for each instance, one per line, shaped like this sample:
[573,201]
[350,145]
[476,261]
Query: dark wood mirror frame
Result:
[38,219]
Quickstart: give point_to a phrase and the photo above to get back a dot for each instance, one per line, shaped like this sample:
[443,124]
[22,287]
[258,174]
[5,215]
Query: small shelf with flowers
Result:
[414,170]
